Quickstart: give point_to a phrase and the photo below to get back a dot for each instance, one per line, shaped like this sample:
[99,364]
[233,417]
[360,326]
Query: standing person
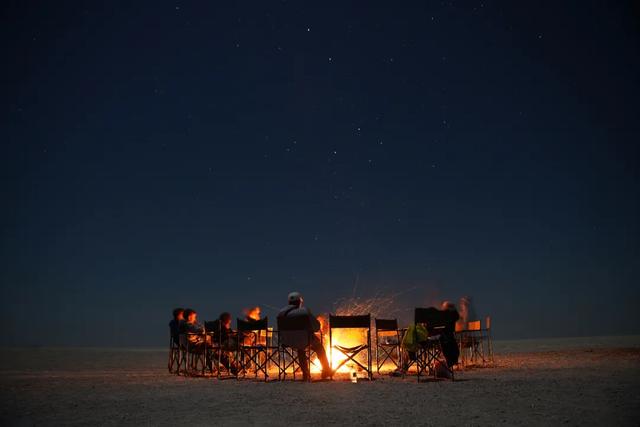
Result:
[466,310]
[176,324]
[447,336]
[295,309]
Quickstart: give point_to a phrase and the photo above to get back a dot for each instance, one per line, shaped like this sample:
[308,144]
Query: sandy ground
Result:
[586,385]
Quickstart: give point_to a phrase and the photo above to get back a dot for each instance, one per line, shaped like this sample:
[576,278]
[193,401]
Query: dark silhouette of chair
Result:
[472,341]
[255,349]
[486,336]
[475,342]
[220,349]
[387,343]
[351,353]
[174,354]
[441,332]
[294,333]
[192,359]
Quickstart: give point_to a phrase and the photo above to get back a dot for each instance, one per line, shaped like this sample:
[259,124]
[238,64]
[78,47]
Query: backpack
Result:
[414,335]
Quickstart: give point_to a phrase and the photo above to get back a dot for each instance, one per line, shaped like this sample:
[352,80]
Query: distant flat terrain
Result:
[536,382]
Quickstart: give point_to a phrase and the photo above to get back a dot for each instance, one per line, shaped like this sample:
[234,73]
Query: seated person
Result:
[222,332]
[447,317]
[176,324]
[226,338]
[295,309]
[194,330]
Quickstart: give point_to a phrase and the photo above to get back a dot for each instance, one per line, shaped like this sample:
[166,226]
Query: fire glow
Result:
[351,337]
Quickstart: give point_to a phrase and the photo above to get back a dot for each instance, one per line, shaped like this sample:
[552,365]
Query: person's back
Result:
[175,325]
[295,309]
[448,316]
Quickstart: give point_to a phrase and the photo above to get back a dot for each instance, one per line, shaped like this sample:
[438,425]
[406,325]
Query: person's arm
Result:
[315,324]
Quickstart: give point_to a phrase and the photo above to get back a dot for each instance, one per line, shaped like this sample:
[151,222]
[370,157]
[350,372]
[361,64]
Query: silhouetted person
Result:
[176,324]
[225,338]
[447,336]
[467,313]
[194,330]
[447,316]
[295,309]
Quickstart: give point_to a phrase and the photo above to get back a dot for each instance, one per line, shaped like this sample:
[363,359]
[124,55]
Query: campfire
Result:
[377,306]
[252,313]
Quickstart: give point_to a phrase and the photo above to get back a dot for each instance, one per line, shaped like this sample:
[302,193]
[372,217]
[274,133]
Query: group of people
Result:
[185,321]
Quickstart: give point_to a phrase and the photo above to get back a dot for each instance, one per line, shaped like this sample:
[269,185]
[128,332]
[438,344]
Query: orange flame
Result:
[252,313]
[343,337]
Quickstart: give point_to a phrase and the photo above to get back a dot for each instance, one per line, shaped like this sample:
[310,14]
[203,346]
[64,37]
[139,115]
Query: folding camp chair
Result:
[476,342]
[174,355]
[441,329]
[351,353]
[294,333]
[255,348]
[387,343]
[486,336]
[192,359]
[220,350]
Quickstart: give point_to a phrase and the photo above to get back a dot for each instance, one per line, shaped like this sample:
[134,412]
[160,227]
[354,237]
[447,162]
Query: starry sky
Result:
[218,155]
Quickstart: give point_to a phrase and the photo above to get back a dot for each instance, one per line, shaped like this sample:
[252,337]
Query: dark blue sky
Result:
[220,155]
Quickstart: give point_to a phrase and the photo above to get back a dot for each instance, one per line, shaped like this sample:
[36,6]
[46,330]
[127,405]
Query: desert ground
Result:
[587,381]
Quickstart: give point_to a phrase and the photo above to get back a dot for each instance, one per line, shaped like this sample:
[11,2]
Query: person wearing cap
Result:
[296,309]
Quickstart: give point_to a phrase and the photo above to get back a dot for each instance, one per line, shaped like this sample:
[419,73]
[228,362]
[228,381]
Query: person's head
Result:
[295,298]
[447,305]
[463,305]
[225,320]
[178,313]
[190,315]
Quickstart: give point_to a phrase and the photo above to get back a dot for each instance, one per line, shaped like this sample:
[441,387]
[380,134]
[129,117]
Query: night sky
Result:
[218,155]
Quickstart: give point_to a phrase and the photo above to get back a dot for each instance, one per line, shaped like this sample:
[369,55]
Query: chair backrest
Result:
[294,331]
[338,322]
[253,325]
[386,324]
[473,326]
[182,339]
[212,325]
[436,320]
